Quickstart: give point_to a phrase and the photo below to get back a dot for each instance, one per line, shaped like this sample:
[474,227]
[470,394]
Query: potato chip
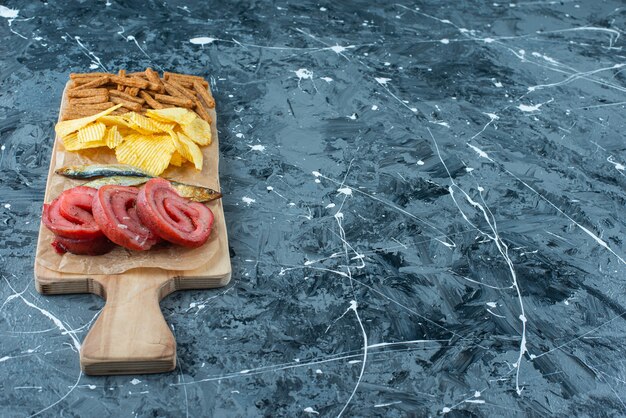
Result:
[72,143]
[147,126]
[66,127]
[172,114]
[188,149]
[152,141]
[177,159]
[198,130]
[125,152]
[113,137]
[93,132]
[124,127]
[119,121]
[150,153]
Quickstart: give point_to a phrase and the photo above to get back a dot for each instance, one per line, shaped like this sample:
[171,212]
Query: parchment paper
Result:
[120,259]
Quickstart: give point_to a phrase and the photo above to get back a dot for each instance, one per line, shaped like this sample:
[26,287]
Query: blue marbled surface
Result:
[425,204]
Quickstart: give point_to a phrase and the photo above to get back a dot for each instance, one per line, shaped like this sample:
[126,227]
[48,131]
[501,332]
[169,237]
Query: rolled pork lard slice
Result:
[95,246]
[114,210]
[80,223]
[75,204]
[172,217]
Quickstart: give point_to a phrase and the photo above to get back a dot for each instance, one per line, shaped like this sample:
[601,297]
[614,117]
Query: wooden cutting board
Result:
[131,336]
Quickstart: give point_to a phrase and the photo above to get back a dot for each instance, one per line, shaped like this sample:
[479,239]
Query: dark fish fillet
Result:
[196,193]
[117,181]
[191,192]
[101,170]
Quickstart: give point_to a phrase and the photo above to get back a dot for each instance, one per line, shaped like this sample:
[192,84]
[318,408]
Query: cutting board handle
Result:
[130,336]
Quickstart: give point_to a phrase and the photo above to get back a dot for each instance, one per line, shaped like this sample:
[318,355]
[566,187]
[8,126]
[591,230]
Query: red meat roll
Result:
[70,216]
[95,246]
[114,210]
[172,217]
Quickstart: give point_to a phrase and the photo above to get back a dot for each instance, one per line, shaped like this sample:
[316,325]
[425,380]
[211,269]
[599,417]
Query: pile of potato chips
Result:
[151,142]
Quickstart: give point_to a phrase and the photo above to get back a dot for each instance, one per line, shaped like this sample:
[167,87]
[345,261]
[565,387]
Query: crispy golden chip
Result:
[119,121]
[113,137]
[145,125]
[66,127]
[150,153]
[188,149]
[152,141]
[198,130]
[72,143]
[172,114]
[177,159]
[93,132]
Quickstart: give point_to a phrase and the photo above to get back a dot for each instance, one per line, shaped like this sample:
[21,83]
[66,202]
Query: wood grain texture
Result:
[131,336]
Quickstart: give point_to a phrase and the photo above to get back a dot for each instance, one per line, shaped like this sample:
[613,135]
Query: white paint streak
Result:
[618,166]
[353,307]
[382,80]
[8,13]
[64,331]
[132,38]
[450,244]
[597,239]
[529,108]
[203,40]
[304,74]
[502,247]
[479,151]
[574,76]
[382,405]
[91,55]
[495,314]
[339,49]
